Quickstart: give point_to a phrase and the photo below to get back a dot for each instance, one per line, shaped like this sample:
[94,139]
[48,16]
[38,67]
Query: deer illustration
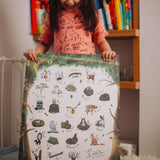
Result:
[72,110]
[90,76]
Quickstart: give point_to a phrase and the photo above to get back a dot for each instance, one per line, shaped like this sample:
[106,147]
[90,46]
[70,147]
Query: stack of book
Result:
[38,14]
[116,14]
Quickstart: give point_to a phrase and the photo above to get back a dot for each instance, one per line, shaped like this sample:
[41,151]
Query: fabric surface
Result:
[9,153]
[72,38]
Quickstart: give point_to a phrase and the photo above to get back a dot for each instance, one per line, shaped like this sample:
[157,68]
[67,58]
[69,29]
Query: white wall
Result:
[150,77]
[14,37]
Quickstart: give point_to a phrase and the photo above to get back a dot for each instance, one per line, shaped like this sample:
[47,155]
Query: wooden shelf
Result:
[36,37]
[129,85]
[124,33]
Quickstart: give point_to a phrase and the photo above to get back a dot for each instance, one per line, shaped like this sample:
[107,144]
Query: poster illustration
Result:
[70,108]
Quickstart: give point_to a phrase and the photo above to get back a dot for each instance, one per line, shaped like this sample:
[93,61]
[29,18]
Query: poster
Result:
[70,108]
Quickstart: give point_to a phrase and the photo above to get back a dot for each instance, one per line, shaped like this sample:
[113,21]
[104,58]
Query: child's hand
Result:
[31,54]
[108,55]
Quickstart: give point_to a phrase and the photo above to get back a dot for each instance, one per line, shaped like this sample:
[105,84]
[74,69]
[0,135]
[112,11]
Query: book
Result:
[34,21]
[132,15]
[37,15]
[107,15]
[102,16]
[112,13]
[128,14]
[98,4]
[118,14]
[124,14]
[40,15]
[121,12]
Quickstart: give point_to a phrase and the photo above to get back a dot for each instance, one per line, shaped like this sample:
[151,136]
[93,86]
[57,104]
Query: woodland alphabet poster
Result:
[70,108]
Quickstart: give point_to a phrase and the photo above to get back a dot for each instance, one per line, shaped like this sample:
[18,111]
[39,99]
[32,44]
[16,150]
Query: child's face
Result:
[71,5]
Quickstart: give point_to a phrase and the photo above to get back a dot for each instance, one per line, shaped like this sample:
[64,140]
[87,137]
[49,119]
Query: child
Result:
[73,26]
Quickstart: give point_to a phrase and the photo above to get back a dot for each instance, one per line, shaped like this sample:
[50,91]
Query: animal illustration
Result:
[83,125]
[94,140]
[37,156]
[72,110]
[90,76]
[56,90]
[73,140]
[38,140]
[39,106]
[100,123]
[53,127]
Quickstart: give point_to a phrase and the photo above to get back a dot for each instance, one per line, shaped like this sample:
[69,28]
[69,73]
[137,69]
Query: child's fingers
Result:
[30,54]
[113,54]
[35,55]
[108,55]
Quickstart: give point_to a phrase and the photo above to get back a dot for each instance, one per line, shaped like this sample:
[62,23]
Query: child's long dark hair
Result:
[88,11]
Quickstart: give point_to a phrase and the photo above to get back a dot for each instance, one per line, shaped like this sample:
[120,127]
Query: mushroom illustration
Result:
[90,108]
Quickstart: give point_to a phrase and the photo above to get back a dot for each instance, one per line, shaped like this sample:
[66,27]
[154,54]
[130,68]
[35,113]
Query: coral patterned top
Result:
[71,37]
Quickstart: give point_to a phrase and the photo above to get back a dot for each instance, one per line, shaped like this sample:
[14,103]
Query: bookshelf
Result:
[134,34]
[124,33]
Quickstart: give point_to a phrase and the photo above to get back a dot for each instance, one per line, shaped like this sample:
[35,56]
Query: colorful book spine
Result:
[102,16]
[121,12]
[128,14]
[34,21]
[124,14]
[107,15]
[40,20]
[46,1]
[98,4]
[132,15]
[112,13]
[118,14]
[37,15]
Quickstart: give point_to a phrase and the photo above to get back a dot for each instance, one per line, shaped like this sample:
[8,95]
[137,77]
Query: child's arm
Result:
[105,49]
[32,53]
